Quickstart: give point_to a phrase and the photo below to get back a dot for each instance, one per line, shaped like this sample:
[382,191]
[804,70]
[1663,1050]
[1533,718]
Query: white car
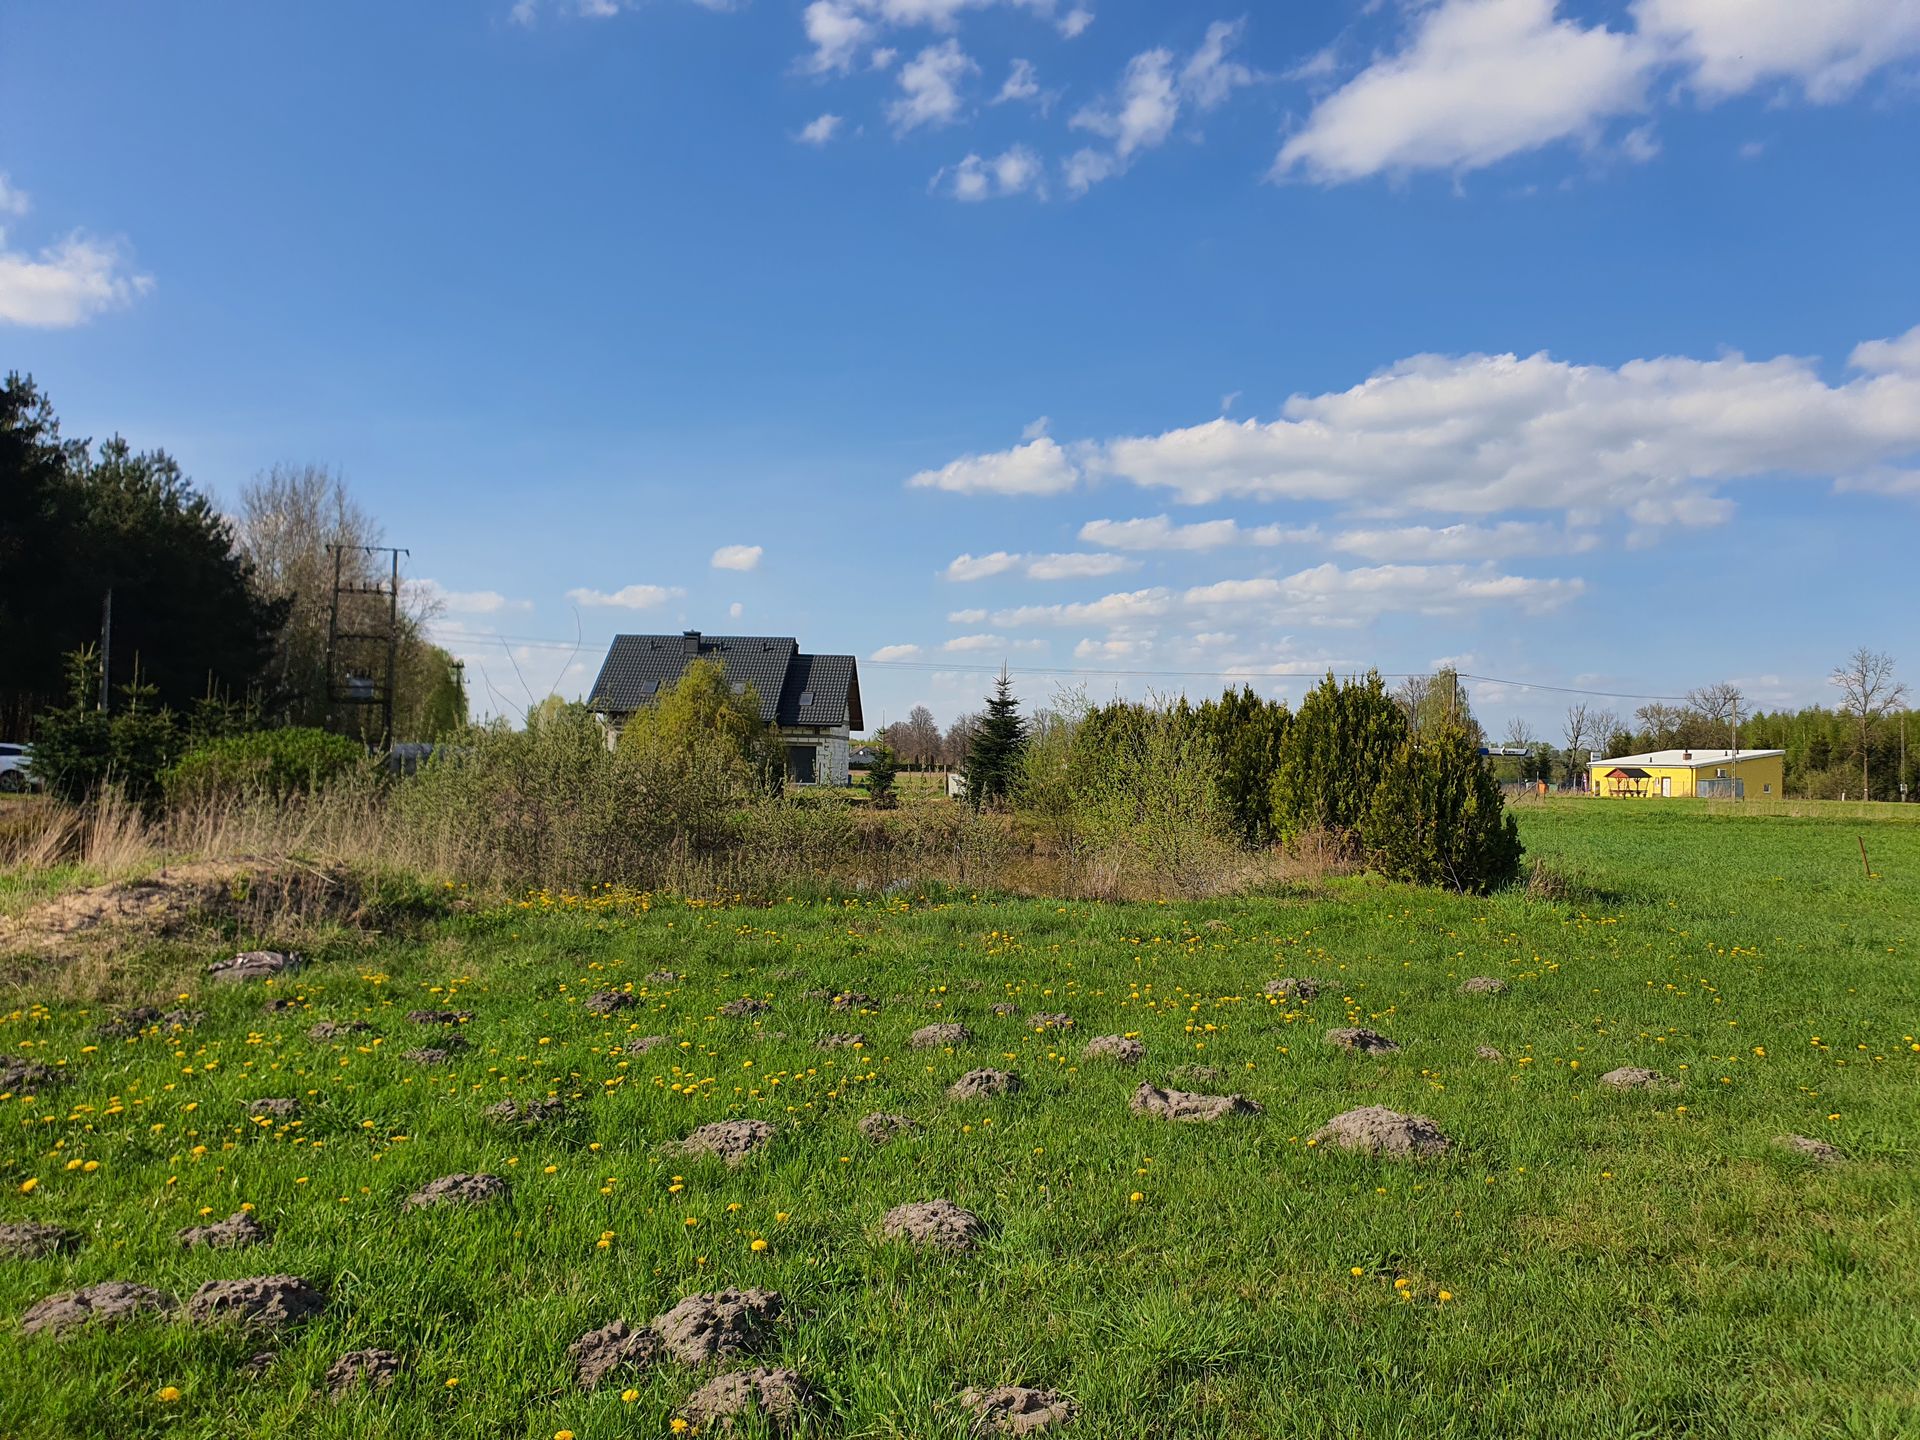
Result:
[16,767]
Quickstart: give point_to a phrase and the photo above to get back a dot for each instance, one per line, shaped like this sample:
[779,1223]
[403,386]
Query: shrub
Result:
[1249,738]
[1334,758]
[292,761]
[1436,818]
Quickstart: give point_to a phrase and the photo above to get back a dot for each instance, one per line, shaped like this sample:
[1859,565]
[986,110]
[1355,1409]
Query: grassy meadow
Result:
[1580,1263]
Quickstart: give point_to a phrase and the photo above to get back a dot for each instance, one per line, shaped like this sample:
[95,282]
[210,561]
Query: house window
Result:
[1720,774]
[806,699]
[1767,789]
[739,687]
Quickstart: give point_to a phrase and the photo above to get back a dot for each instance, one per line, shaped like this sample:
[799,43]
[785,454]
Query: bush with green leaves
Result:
[1249,738]
[1437,818]
[292,761]
[1336,753]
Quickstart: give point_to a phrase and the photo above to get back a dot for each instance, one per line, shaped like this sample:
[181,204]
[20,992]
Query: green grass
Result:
[1619,1265]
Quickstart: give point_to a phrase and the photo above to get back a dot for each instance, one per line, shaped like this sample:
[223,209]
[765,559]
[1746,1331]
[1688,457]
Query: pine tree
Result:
[998,744]
[1437,817]
[1335,753]
[881,770]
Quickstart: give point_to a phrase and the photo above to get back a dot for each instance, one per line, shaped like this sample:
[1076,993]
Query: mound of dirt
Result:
[107,1303]
[780,1398]
[840,1042]
[441,1054]
[1049,1020]
[29,1240]
[1292,987]
[934,1037]
[1360,1041]
[984,1084]
[702,1328]
[439,1017]
[282,1003]
[661,977]
[459,1190]
[236,1232]
[1005,1008]
[1017,1409]
[128,1022]
[1487,1052]
[732,1140]
[280,1107]
[1632,1077]
[186,1019]
[646,1043]
[598,1353]
[328,1030]
[1386,1133]
[26,1075]
[882,1128]
[1121,1049]
[1818,1151]
[939,1224]
[1483,985]
[525,1114]
[262,1302]
[252,965]
[362,1370]
[853,1000]
[744,1006]
[1150,1099]
[605,1002]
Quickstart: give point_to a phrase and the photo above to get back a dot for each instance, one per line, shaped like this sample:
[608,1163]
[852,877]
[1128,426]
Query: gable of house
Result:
[794,690]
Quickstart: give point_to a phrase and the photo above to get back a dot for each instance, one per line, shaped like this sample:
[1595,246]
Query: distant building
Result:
[1673,774]
[811,701]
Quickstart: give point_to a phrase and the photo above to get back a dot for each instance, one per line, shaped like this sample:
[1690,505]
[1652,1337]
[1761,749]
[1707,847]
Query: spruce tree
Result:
[999,742]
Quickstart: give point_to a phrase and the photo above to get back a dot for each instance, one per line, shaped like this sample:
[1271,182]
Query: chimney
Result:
[690,642]
[1686,754]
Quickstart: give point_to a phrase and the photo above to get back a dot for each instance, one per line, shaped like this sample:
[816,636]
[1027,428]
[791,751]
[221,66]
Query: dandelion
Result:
[679,1426]
[452,1380]
[691,1221]
[167,1394]
[563,1435]
[1136,1197]
[550,1170]
[629,1396]
[757,1246]
[1445,1295]
[1356,1271]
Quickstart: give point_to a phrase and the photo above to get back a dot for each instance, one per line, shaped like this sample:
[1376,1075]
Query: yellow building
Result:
[1709,774]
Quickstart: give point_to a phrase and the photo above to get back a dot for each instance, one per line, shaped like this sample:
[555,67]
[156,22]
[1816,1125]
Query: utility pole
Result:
[344,645]
[106,649]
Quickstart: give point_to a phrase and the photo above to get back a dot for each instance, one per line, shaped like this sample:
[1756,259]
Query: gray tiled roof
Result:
[793,689]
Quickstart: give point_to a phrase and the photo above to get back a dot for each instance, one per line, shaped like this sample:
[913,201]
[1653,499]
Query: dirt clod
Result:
[107,1303]
[933,1037]
[1483,985]
[840,1042]
[598,1353]
[1049,1020]
[605,1002]
[1818,1151]
[779,1397]
[853,1000]
[1632,1077]
[647,1042]
[984,1084]
[362,1370]
[882,1128]
[262,1302]
[1487,1052]
[1383,1132]
[745,1005]
[336,1030]
[236,1232]
[439,1017]
[27,1075]
[525,1114]
[714,1326]
[661,977]
[29,1240]
[1017,1409]
[252,965]
[459,1190]
[1292,987]
[280,1107]
[441,1054]
[1006,1008]
[280,1003]
[940,1224]
[1150,1099]
[1121,1049]
[131,1022]
[184,1019]
[732,1140]
[1360,1040]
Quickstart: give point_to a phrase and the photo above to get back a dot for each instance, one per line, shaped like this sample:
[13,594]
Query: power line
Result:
[1096,673]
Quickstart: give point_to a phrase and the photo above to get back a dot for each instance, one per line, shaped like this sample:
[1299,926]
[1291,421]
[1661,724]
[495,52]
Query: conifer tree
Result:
[998,745]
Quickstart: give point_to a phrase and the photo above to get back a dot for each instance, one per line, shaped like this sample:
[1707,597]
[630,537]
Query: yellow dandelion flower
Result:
[758,1246]
[167,1394]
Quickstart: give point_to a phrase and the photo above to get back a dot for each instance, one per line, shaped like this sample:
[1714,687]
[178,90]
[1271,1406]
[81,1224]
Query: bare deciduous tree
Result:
[1868,693]
[1520,733]
[1579,731]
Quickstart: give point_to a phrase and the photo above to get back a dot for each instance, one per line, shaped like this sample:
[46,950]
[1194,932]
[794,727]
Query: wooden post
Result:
[1863,856]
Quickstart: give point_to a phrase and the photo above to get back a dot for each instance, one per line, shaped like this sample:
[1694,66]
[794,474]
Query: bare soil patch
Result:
[1017,1409]
[1360,1041]
[459,1190]
[779,1398]
[236,1232]
[262,1302]
[599,1353]
[1376,1130]
[363,1370]
[984,1084]
[1183,1105]
[1120,1049]
[937,1224]
[934,1037]
[704,1328]
[732,1140]
[108,1303]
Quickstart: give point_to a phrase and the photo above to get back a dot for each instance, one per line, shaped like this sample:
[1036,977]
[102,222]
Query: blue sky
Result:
[1573,343]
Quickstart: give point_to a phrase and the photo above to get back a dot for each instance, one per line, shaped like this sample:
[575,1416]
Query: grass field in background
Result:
[1581,1263]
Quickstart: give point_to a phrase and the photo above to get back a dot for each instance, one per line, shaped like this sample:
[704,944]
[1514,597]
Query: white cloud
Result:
[1476,435]
[1329,595]
[980,567]
[66,284]
[1076,567]
[738,557]
[966,617]
[1160,533]
[1015,171]
[930,83]
[1479,80]
[1074,23]
[1119,609]
[1142,113]
[13,201]
[836,30]
[963,643]
[1022,83]
[1463,541]
[628,597]
[1040,467]
[894,652]
[736,610]
[463,602]
[819,130]
[1827,47]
